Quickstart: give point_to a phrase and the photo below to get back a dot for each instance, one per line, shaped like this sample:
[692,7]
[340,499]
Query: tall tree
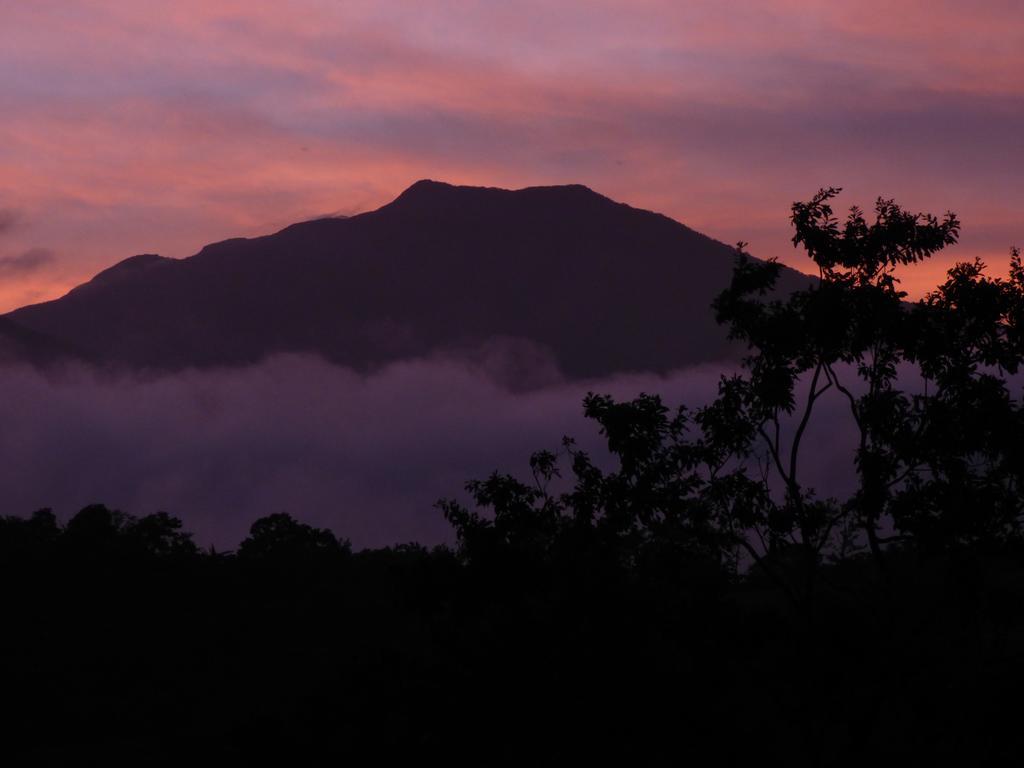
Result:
[937,449]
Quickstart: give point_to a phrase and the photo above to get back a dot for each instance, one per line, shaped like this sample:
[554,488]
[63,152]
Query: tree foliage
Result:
[926,385]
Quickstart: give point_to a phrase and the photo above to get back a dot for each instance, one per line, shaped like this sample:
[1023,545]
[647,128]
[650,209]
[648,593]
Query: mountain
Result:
[22,345]
[556,275]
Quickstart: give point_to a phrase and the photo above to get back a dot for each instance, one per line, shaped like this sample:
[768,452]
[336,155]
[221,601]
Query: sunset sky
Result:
[131,127]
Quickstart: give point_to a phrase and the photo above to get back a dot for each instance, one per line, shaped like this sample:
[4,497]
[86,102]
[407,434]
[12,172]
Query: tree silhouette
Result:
[921,562]
[937,451]
[282,537]
[849,333]
[98,531]
[937,464]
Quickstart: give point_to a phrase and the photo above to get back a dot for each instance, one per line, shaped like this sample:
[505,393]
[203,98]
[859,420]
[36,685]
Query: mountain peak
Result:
[425,189]
[433,195]
[427,185]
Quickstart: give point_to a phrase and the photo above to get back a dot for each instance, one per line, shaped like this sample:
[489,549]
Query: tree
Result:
[27,538]
[160,534]
[97,530]
[282,537]
[853,319]
[938,465]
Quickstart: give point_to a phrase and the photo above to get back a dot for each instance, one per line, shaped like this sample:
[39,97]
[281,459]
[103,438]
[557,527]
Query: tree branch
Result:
[813,395]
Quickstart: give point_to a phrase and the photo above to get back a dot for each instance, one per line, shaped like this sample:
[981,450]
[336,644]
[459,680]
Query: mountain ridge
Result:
[597,284]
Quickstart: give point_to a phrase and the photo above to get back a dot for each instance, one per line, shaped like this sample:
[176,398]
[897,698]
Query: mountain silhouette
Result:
[558,276]
[22,345]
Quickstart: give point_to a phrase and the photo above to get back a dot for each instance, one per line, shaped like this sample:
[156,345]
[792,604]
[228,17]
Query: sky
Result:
[156,127]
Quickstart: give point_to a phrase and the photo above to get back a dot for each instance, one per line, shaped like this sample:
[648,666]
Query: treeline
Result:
[124,643]
[693,600]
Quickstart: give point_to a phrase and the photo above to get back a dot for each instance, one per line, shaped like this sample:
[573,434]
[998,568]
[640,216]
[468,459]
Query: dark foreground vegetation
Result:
[694,603]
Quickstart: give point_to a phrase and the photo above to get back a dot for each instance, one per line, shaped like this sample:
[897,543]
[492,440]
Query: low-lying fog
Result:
[366,455]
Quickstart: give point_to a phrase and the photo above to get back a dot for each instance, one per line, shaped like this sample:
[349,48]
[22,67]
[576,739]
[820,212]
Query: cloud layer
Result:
[365,455]
[159,127]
